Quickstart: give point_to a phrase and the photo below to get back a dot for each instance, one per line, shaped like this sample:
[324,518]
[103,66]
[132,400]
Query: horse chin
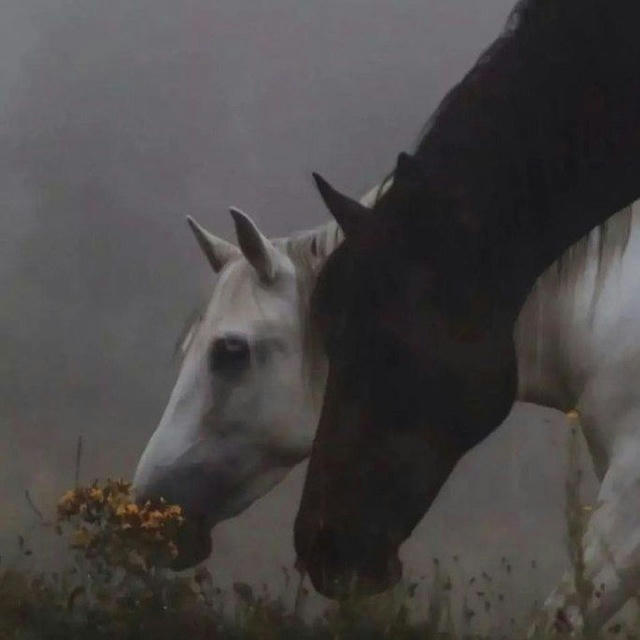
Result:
[194,544]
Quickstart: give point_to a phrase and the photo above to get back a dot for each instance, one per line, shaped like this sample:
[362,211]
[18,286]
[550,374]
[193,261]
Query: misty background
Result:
[116,120]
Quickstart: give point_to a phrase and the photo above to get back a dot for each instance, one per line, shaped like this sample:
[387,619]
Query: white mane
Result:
[605,243]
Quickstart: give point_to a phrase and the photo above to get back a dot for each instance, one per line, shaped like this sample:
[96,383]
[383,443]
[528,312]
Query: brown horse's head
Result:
[422,367]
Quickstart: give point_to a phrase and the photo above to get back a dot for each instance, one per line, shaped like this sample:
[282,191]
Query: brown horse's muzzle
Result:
[339,563]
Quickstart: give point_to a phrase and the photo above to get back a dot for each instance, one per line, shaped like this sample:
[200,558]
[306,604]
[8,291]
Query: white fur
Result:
[578,342]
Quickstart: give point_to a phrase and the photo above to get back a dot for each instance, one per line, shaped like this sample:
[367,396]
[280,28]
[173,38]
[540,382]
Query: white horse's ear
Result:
[256,248]
[217,250]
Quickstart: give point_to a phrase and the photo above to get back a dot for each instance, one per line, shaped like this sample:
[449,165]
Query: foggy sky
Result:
[116,120]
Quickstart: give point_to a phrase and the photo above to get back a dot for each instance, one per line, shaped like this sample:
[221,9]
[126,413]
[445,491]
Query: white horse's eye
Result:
[229,355]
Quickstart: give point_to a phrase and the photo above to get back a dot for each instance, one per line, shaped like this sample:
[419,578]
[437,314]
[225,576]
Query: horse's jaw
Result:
[194,540]
[213,480]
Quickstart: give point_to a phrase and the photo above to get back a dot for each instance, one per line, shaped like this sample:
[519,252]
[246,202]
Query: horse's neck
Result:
[544,375]
[565,329]
[538,144]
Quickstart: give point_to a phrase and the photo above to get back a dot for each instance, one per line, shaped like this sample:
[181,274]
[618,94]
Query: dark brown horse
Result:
[539,143]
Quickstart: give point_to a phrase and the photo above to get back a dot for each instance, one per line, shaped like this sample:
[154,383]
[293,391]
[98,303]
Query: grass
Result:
[115,586]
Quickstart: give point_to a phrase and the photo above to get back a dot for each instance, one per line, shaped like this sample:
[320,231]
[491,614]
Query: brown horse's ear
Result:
[409,168]
[348,213]
[217,250]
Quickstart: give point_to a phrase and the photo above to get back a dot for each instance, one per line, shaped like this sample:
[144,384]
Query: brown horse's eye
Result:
[229,355]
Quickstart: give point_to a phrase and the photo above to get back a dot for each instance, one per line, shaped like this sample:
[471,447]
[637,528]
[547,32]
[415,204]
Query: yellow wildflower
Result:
[68,504]
[81,538]
[572,415]
[150,524]
[69,496]
[95,494]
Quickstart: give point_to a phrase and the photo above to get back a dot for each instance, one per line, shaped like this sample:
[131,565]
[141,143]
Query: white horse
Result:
[247,399]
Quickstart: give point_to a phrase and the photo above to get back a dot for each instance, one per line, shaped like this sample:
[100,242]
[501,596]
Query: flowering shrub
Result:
[108,525]
[119,585]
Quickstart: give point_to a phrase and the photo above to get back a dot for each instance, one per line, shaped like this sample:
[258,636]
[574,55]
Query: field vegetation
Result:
[116,586]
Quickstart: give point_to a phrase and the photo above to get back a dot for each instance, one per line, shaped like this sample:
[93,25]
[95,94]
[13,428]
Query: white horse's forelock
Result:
[307,250]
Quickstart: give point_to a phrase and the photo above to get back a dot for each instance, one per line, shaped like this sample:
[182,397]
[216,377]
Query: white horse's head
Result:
[246,402]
